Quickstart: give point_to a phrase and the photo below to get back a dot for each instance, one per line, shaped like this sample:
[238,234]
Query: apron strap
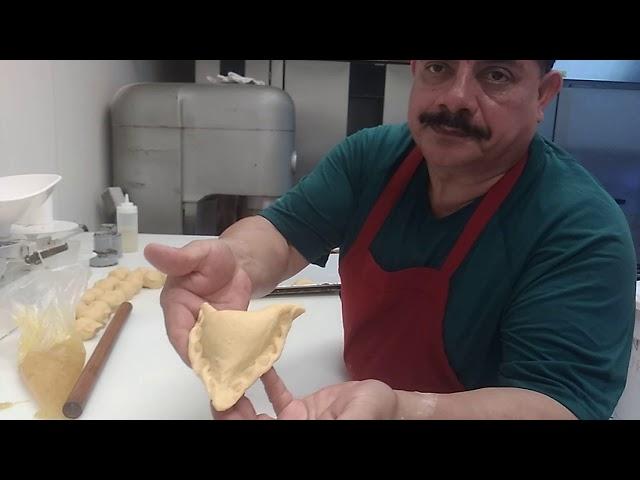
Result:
[481,217]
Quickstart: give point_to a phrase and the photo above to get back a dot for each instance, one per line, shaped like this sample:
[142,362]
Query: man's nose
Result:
[461,93]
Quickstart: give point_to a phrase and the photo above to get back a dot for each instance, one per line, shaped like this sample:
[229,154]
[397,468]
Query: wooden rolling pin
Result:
[82,389]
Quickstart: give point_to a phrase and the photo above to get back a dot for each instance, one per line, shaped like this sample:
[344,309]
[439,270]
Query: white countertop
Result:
[145,379]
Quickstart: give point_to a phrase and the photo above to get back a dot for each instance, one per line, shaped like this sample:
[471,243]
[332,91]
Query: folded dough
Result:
[230,349]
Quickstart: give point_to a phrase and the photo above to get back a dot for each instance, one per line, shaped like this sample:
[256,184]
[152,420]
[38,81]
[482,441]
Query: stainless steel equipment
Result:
[29,236]
[177,144]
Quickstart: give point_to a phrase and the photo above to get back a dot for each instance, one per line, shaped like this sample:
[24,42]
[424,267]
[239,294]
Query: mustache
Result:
[458,120]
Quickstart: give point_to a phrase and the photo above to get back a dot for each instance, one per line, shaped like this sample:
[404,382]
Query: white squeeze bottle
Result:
[127,218]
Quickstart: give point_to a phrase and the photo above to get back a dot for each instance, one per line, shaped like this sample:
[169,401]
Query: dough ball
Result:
[81,309]
[130,288]
[107,284]
[99,311]
[138,273]
[92,294]
[136,280]
[153,279]
[119,272]
[114,298]
[87,327]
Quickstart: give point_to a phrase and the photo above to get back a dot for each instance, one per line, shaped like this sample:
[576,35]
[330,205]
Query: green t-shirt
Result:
[545,299]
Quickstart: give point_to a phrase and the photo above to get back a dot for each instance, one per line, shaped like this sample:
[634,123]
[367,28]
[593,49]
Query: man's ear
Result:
[550,86]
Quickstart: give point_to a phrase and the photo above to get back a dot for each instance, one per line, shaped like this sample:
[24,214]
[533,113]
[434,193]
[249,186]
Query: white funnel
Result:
[26,199]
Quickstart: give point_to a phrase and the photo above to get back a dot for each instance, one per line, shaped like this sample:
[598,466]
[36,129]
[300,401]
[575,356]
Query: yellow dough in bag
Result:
[50,358]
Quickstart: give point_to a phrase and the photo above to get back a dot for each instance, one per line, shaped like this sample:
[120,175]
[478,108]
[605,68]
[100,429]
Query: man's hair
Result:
[546,65]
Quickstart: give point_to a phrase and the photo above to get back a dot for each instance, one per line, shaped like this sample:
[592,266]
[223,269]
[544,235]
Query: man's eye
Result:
[436,68]
[497,76]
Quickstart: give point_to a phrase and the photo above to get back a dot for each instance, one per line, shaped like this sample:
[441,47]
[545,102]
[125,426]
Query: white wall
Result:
[397,87]
[54,118]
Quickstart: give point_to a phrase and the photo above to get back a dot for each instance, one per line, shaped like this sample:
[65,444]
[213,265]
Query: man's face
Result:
[463,112]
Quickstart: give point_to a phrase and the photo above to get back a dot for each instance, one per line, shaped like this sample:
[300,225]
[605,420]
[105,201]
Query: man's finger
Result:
[276,390]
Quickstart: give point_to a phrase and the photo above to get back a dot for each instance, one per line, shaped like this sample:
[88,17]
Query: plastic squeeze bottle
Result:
[127,219]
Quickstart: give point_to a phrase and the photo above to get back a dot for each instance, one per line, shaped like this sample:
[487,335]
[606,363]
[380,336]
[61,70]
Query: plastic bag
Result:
[51,354]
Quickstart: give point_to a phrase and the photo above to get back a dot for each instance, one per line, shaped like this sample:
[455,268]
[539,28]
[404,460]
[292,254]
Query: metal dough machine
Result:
[186,152]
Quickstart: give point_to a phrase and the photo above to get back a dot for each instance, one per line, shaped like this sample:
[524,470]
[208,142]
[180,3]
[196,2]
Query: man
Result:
[485,274]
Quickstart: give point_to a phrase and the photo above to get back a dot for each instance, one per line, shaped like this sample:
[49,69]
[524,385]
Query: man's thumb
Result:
[177,261]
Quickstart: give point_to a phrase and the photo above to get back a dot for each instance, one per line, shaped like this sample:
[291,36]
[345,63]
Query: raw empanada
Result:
[230,349]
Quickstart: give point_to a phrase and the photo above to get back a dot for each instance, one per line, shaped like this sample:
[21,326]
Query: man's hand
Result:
[368,399]
[202,271]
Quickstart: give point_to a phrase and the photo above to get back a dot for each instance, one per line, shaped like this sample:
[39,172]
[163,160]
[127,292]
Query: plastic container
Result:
[127,220]
[116,241]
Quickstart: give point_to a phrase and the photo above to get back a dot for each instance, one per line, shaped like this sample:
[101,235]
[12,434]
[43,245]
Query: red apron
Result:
[393,321]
